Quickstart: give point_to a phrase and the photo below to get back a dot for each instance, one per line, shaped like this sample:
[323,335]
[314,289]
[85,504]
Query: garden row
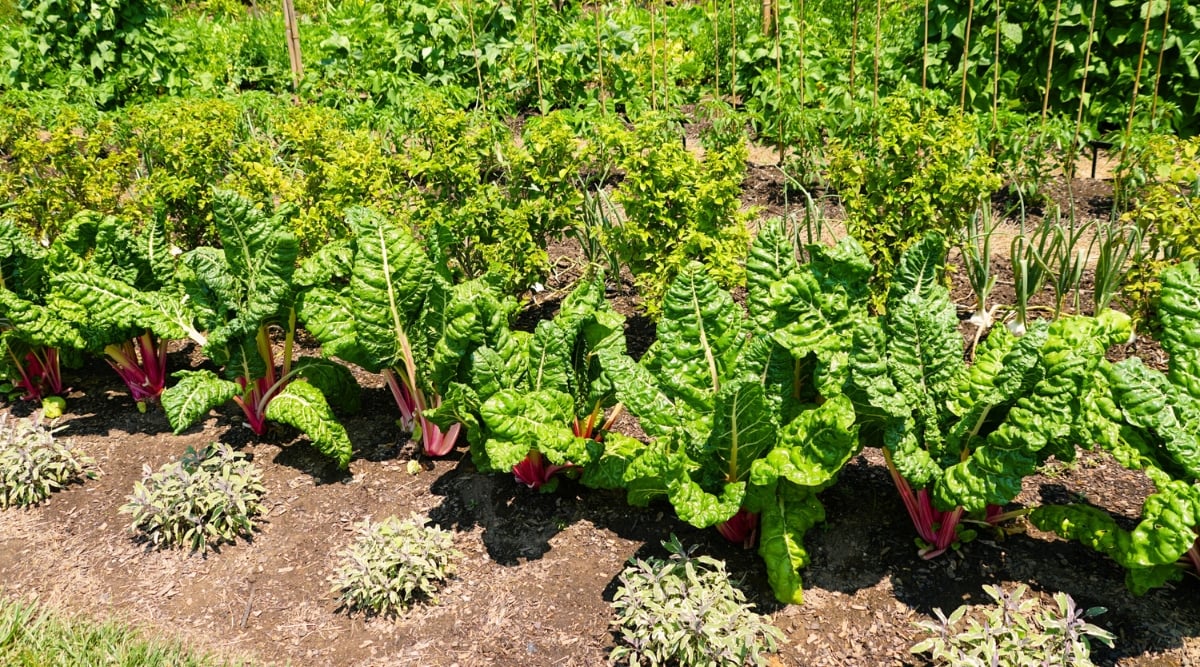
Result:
[749,413]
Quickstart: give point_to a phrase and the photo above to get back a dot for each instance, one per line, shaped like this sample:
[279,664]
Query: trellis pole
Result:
[996,70]
[537,58]
[733,53]
[878,29]
[1137,79]
[778,80]
[966,56]
[925,49]
[475,52]
[1158,70]
[1087,64]
[1050,62]
[853,44]
[293,43]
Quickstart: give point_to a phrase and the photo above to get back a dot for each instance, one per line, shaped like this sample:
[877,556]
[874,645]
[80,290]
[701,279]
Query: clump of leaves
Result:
[685,609]
[1016,632]
[206,498]
[394,563]
[33,464]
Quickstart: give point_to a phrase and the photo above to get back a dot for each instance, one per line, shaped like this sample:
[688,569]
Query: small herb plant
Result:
[33,464]
[394,563]
[206,498]
[1016,632]
[685,609]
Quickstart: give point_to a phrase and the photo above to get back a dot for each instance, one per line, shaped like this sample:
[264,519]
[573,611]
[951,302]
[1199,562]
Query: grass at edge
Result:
[31,636]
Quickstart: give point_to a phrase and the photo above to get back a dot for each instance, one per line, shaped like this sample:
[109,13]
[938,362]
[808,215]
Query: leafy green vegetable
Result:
[238,295]
[965,436]
[1150,420]
[400,315]
[747,415]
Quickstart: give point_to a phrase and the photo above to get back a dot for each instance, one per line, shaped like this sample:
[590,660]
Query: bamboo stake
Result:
[293,44]
[1158,70]
[1050,63]
[1087,63]
[600,61]
[716,50]
[475,52]
[801,46]
[878,22]
[853,44]
[653,59]
[966,57]
[537,58]
[996,70]
[778,81]
[733,59]
[1137,80]
[769,9]
[925,49]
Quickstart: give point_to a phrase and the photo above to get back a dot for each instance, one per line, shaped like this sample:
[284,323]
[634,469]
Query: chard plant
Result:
[391,316]
[958,439]
[130,303]
[1150,421]
[238,296]
[536,403]
[34,330]
[746,414]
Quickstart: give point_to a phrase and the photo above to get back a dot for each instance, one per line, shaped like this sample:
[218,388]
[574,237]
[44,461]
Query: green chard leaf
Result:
[303,406]
[196,393]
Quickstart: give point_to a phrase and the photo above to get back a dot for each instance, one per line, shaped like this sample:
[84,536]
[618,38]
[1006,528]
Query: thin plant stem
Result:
[966,57]
[1050,62]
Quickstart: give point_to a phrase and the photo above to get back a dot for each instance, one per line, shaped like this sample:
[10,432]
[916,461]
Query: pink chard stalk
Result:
[413,402]
[533,472]
[40,373]
[142,365]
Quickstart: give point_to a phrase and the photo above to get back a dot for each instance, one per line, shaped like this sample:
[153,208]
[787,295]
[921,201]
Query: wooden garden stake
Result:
[1137,79]
[1050,63]
[925,49]
[778,81]
[475,52]
[1087,63]
[1158,70]
[996,70]
[966,56]
[600,61]
[801,45]
[537,58]
[853,44]
[878,24]
[733,98]
[293,43]
[716,51]
[653,59]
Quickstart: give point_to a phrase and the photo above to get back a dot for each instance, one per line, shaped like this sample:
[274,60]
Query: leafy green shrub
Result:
[1167,213]
[111,48]
[207,497]
[394,563]
[679,208]
[56,168]
[33,464]
[921,171]
[1016,632]
[685,609]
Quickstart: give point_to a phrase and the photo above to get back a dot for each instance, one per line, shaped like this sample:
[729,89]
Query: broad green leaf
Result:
[607,470]
[303,406]
[919,268]
[638,389]
[787,512]
[193,396]
[812,448]
[334,380]
[517,422]
[699,334]
[772,258]
[36,324]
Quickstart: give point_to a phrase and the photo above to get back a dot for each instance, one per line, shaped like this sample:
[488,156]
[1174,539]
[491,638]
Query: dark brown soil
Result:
[538,570]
